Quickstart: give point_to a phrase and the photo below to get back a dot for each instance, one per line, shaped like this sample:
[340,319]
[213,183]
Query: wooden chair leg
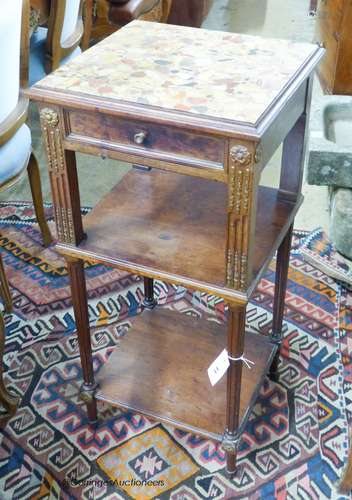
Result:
[9,400]
[34,181]
[5,289]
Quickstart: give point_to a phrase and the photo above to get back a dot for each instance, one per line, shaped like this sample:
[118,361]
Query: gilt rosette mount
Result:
[49,117]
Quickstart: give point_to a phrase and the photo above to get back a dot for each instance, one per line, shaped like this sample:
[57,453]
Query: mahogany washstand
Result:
[206,110]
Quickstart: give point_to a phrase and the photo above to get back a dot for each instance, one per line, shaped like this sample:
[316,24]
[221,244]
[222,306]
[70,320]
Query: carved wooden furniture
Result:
[111,15]
[333,30]
[207,110]
[16,156]
[43,7]
[189,12]
[59,42]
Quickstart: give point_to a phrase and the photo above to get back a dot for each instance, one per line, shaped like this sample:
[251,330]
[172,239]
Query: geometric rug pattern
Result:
[295,444]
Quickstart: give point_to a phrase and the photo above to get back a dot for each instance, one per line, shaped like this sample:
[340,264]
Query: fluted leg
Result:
[80,307]
[235,346]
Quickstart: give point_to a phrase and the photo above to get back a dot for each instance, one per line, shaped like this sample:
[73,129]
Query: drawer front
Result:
[142,138]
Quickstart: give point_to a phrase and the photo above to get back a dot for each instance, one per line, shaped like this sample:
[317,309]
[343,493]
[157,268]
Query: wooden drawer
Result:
[148,140]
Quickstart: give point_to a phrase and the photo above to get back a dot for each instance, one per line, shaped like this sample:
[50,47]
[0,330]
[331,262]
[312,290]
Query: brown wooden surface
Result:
[333,29]
[343,79]
[189,12]
[167,225]
[160,369]
[110,16]
[52,13]
[42,6]
[119,133]
[24,48]
[56,50]
[87,23]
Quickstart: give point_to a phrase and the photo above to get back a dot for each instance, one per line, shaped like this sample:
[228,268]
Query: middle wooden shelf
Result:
[173,227]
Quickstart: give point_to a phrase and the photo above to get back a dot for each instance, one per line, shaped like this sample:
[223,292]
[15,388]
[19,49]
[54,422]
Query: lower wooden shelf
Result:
[160,370]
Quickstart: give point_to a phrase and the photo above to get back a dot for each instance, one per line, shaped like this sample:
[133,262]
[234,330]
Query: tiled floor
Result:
[269,18]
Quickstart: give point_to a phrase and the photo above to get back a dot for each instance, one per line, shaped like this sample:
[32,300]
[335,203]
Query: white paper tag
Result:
[218,367]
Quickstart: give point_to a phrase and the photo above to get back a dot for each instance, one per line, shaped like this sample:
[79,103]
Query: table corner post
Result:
[63,177]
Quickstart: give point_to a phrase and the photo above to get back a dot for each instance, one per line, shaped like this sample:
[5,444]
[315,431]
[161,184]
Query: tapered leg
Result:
[34,181]
[80,307]
[282,265]
[149,301]
[5,289]
[236,331]
[9,400]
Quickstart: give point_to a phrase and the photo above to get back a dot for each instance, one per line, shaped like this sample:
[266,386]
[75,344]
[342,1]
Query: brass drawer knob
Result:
[140,137]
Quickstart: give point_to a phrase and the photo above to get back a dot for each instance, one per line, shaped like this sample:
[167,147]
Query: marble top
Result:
[212,73]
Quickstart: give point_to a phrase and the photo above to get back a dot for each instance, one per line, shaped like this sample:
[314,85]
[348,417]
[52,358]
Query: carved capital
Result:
[241,155]
[230,442]
[49,117]
[87,392]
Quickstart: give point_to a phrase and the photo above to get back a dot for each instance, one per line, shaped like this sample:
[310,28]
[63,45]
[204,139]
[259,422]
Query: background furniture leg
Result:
[235,339]
[34,181]
[87,23]
[5,289]
[80,307]
[149,301]
[9,400]
[282,265]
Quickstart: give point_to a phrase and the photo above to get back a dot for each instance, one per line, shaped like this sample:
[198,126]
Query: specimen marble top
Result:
[220,75]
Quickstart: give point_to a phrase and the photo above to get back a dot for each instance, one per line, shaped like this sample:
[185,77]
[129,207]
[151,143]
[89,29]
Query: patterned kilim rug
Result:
[295,444]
